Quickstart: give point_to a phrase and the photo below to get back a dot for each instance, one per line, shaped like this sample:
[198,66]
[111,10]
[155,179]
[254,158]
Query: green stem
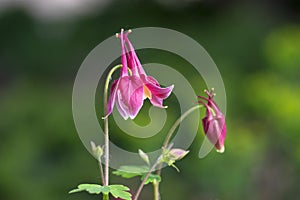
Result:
[106,133]
[101,171]
[156,190]
[177,123]
[167,140]
[105,197]
[138,192]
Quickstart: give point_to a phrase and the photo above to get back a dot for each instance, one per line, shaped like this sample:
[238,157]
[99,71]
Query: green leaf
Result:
[129,171]
[119,187]
[75,190]
[133,171]
[90,188]
[120,191]
[121,194]
[105,189]
[152,178]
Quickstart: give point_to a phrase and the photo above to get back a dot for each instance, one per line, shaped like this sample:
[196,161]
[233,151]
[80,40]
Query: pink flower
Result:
[152,89]
[214,122]
[129,91]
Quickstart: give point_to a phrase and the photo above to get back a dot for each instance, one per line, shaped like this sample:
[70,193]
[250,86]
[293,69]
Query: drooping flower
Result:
[152,89]
[129,91]
[214,122]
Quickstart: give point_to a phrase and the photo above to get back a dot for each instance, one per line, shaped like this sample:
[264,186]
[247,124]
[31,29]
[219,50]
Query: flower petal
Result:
[124,70]
[112,97]
[215,131]
[158,102]
[130,96]
[150,79]
[135,60]
[156,90]
[157,93]
[136,102]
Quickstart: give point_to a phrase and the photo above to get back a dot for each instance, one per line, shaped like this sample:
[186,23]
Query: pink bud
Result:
[177,154]
[214,122]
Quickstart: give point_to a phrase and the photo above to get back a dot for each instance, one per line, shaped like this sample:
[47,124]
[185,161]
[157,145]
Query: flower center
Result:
[147,93]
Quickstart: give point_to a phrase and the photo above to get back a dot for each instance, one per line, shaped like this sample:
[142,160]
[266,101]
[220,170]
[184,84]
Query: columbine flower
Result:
[129,91]
[214,122]
[152,89]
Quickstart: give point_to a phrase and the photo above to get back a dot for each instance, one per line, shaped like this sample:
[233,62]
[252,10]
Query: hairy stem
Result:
[106,133]
[167,140]
[138,192]
[177,122]
[101,171]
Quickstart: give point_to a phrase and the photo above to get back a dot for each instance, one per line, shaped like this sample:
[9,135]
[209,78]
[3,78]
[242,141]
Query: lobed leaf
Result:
[119,187]
[130,171]
[90,188]
[118,191]
[152,178]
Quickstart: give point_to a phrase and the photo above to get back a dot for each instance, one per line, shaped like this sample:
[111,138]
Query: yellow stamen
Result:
[147,93]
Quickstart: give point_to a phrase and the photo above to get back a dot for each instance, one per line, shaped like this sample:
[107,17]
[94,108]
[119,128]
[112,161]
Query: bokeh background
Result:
[255,44]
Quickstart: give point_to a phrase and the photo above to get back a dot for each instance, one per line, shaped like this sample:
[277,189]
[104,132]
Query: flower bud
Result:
[214,122]
[144,156]
[169,155]
[97,150]
[177,154]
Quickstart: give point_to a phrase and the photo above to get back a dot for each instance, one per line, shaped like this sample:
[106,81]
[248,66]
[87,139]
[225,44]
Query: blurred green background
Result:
[255,44]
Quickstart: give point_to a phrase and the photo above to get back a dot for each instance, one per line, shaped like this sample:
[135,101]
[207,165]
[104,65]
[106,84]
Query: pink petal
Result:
[136,102]
[131,63]
[130,96]
[112,97]
[150,79]
[134,57]
[121,108]
[124,70]
[158,102]
[215,130]
[159,91]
